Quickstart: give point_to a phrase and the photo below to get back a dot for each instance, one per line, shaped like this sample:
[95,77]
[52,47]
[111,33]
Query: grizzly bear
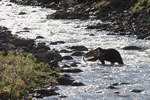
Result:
[103,55]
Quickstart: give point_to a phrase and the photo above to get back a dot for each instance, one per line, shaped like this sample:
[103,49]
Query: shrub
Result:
[19,73]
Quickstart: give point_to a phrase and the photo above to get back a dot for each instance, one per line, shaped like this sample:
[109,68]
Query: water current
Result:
[132,80]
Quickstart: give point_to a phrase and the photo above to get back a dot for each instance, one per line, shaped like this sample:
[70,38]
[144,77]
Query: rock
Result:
[49,57]
[62,96]
[53,56]
[22,13]
[39,37]
[67,15]
[71,70]
[22,42]
[41,57]
[57,42]
[136,90]
[42,46]
[66,66]
[74,64]
[91,35]
[112,87]
[99,26]
[44,92]
[64,80]
[9,5]
[79,48]
[67,58]
[77,54]
[77,84]
[132,48]
[65,51]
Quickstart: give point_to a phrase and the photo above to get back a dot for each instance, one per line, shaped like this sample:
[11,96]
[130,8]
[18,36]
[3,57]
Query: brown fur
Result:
[103,55]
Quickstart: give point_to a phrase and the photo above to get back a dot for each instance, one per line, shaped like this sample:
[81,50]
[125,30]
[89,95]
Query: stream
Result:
[131,81]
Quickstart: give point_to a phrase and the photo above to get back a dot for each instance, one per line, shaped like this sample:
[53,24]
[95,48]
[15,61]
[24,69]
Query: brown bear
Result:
[103,55]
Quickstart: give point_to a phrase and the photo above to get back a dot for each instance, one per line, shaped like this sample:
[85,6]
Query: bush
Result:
[19,73]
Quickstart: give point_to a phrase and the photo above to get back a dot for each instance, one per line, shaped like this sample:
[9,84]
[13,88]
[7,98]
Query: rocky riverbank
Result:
[130,17]
[29,70]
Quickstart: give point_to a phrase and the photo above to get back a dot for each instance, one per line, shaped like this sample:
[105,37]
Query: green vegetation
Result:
[19,73]
[140,5]
[100,4]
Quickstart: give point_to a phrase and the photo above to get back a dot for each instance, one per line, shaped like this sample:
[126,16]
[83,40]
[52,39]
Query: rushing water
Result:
[134,75]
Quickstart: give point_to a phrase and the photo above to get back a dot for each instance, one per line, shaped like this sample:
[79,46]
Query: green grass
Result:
[19,73]
[140,5]
[100,4]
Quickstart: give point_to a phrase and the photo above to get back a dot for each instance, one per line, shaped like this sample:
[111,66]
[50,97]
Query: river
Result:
[131,81]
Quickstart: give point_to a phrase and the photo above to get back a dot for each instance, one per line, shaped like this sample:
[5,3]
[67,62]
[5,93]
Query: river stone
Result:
[67,58]
[22,42]
[44,92]
[57,42]
[62,80]
[67,15]
[78,53]
[53,56]
[77,84]
[79,48]
[71,70]
[111,87]
[42,46]
[136,90]
[22,13]
[132,48]
[65,51]
[39,37]
[74,64]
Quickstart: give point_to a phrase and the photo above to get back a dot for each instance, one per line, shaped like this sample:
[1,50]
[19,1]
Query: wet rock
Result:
[112,87]
[74,64]
[91,35]
[65,51]
[50,57]
[39,37]
[77,84]
[43,92]
[79,48]
[22,13]
[57,42]
[41,57]
[77,54]
[67,58]
[72,70]
[132,48]
[115,84]
[66,66]
[136,90]
[22,42]
[124,83]
[42,46]
[99,26]
[64,80]
[9,5]
[62,96]
[53,56]
[67,15]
